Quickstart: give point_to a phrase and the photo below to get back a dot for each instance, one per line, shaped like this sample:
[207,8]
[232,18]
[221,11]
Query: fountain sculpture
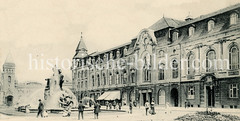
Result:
[53,96]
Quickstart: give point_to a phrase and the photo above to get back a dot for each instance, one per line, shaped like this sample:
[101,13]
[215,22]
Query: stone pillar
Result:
[141,98]
[198,58]
[205,96]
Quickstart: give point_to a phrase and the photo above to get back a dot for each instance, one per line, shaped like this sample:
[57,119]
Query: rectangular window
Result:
[82,84]
[233,91]
[191,92]
[86,84]
[191,31]
[133,77]
[175,36]
[161,74]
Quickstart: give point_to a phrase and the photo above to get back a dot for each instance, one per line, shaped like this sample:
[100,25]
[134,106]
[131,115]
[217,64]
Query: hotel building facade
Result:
[195,61]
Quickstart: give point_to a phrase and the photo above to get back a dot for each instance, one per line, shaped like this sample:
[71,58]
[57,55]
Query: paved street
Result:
[138,115]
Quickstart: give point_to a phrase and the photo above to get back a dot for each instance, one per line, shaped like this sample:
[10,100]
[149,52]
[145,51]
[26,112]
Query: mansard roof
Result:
[202,17]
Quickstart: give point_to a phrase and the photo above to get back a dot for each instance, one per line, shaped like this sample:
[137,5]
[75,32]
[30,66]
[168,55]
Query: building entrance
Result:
[174,97]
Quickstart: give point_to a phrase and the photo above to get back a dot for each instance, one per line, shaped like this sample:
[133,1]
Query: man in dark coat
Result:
[96,110]
[80,109]
[40,108]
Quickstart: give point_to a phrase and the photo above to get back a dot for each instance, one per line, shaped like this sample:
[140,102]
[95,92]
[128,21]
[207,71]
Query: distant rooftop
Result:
[165,23]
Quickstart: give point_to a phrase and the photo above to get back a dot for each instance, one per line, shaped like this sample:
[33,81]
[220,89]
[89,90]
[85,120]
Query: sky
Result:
[34,31]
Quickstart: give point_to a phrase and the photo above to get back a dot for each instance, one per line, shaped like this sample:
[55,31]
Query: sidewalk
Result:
[190,109]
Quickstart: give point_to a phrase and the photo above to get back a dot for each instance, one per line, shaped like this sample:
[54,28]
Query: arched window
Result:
[98,79]
[161,71]
[78,85]
[211,56]
[210,25]
[81,84]
[161,97]
[85,73]
[233,18]
[191,64]
[161,53]
[234,57]
[104,79]
[191,31]
[117,78]
[86,85]
[147,68]
[82,74]
[93,81]
[9,79]
[110,79]
[132,76]
[79,74]
[174,69]
[124,76]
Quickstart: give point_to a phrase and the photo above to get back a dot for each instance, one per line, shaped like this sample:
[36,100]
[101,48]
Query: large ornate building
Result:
[8,83]
[196,60]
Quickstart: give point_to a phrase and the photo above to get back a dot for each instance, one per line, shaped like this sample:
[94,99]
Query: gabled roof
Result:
[165,23]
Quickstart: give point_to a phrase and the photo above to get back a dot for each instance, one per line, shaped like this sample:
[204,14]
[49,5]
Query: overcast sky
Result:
[50,29]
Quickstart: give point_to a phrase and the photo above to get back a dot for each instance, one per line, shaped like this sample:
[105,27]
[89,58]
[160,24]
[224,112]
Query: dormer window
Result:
[118,53]
[233,18]
[175,36]
[210,25]
[191,31]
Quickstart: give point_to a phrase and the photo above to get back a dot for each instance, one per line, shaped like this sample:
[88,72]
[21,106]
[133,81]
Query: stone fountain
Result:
[53,96]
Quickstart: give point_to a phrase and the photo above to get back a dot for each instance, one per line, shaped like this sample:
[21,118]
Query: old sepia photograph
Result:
[119,60]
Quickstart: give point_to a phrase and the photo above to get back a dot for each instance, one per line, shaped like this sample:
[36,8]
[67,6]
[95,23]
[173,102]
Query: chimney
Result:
[189,17]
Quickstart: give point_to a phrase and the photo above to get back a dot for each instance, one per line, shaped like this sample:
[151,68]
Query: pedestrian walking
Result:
[40,108]
[80,109]
[96,110]
[153,108]
[130,107]
[147,106]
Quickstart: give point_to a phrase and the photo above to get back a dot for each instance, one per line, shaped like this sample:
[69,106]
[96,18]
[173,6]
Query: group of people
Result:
[81,107]
[114,104]
[149,107]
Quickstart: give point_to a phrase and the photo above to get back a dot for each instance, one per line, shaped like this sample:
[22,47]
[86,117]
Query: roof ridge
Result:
[165,21]
[214,13]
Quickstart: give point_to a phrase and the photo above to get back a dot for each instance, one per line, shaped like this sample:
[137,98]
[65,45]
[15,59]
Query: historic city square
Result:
[120,60]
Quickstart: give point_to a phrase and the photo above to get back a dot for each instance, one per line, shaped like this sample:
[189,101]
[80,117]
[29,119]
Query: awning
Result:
[110,95]
[103,96]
